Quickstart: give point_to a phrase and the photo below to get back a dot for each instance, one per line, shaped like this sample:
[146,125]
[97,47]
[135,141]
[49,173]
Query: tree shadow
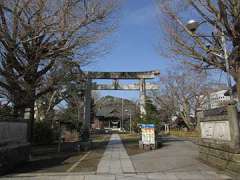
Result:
[45,157]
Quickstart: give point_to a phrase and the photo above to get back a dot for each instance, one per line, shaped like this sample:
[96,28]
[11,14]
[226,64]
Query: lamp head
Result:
[208,46]
[192,25]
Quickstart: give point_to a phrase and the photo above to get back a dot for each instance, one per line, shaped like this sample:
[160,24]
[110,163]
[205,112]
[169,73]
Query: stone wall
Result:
[13,132]
[219,144]
[14,148]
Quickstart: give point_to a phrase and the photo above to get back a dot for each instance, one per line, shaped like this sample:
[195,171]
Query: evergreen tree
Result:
[152,114]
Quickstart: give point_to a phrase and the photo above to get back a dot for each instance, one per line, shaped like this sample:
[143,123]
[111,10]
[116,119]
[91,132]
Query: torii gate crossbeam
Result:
[122,75]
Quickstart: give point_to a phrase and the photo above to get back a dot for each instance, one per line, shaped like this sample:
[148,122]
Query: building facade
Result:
[215,100]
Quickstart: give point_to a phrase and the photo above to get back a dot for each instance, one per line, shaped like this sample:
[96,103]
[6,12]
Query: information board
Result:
[148,133]
[216,130]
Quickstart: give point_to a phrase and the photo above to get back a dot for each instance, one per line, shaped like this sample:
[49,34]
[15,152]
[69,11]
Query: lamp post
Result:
[121,124]
[130,120]
[130,114]
[192,26]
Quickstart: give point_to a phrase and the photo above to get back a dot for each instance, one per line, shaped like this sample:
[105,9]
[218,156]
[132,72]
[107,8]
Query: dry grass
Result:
[130,142]
[90,163]
[185,134]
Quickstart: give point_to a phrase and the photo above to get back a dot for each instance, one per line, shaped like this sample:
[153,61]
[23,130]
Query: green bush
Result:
[43,133]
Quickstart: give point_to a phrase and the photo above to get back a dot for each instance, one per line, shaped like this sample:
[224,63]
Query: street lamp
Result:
[192,26]
[130,120]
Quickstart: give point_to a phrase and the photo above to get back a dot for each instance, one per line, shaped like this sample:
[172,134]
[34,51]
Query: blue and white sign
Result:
[148,126]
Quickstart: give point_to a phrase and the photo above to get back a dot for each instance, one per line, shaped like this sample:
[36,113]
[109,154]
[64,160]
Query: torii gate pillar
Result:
[87,111]
[142,98]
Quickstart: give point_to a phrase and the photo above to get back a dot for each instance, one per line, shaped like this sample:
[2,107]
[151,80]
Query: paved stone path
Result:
[116,165]
[208,175]
[115,159]
[175,155]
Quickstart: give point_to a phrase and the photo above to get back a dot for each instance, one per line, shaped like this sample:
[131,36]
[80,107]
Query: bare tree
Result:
[65,81]
[216,39]
[182,93]
[36,34]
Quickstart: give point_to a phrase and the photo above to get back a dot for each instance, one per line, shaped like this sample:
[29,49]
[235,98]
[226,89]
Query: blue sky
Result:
[135,44]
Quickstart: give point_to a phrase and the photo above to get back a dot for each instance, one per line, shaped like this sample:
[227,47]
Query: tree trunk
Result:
[31,105]
[31,121]
[186,120]
[238,88]
[18,111]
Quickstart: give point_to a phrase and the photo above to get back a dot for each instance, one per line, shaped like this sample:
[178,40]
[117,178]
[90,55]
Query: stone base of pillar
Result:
[85,135]
[85,145]
[140,144]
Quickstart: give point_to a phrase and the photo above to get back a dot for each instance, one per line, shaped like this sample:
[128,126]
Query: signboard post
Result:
[148,136]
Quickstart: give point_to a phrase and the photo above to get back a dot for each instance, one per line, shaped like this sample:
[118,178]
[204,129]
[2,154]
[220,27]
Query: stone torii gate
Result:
[142,86]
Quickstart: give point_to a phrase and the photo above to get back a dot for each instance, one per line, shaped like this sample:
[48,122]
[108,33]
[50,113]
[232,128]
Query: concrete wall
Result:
[219,144]
[14,148]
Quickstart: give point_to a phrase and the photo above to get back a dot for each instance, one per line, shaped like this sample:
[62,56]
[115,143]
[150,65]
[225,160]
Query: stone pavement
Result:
[208,175]
[115,159]
[174,161]
[175,155]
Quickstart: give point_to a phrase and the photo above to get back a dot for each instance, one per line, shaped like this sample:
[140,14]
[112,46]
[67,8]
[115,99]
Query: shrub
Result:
[43,133]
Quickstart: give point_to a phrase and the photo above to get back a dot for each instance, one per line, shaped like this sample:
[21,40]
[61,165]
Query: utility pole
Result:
[130,122]
[130,119]
[122,116]
[223,39]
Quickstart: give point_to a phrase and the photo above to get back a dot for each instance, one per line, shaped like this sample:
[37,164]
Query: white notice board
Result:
[148,133]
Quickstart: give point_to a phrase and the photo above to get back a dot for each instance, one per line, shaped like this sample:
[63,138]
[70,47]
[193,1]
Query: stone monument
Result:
[219,144]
